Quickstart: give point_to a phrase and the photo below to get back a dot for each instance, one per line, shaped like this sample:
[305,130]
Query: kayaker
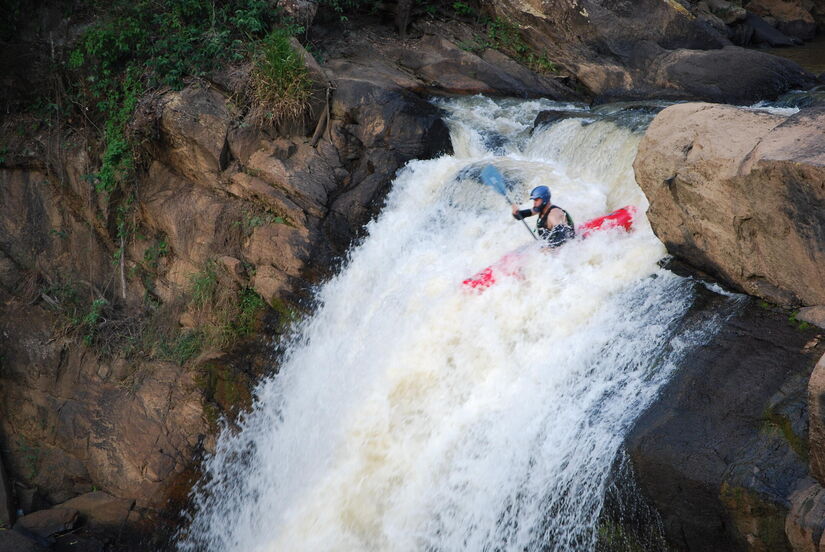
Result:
[554,224]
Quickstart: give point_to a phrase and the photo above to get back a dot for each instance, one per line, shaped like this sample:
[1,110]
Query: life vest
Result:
[558,234]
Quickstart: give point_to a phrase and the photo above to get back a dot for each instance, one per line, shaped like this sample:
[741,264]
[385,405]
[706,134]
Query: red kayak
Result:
[508,265]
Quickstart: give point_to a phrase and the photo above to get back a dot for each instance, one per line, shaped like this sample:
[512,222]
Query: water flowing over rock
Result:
[740,194]
[435,370]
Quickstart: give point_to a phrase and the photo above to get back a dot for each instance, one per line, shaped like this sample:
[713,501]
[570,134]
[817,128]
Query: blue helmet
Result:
[542,193]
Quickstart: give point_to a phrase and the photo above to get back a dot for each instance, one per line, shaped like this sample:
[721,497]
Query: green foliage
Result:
[251,304]
[142,44]
[463,9]
[182,348]
[252,220]
[280,83]
[506,37]
[92,319]
[204,285]
[225,315]
[65,298]
[152,256]
[799,324]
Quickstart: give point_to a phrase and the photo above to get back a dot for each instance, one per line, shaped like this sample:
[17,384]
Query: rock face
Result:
[723,451]
[652,49]
[791,16]
[740,195]
[46,523]
[816,400]
[246,208]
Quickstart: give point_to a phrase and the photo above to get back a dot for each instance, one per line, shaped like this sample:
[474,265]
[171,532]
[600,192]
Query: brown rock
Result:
[805,522]
[816,431]
[741,195]
[187,320]
[232,267]
[791,16]
[45,523]
[812,315]
[269,282]
[100,510]
[253,188]
[194,124]
[447,68]
[728,12]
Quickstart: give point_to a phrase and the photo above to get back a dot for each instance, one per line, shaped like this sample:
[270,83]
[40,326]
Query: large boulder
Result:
[45,523]
[805,523]
[723,449]
[740,194]
[99,510]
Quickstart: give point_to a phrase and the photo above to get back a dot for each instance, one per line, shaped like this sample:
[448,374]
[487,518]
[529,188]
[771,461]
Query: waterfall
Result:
[411,414]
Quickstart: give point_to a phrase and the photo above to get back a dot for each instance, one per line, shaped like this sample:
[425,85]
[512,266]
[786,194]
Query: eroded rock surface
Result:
[740,194]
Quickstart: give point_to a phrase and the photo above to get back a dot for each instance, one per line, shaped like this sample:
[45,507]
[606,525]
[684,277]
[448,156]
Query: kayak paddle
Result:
[492,177]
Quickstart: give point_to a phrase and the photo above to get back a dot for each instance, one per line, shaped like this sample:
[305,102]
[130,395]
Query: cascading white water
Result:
[413,415]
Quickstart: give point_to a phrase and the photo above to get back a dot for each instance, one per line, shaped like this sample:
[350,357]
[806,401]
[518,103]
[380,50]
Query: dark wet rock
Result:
[6,500]
[549,117]
[377,127]
[100,510]
[45,523]
[790,16]
[727,75]
[761,32]
[723,448]
[15,541]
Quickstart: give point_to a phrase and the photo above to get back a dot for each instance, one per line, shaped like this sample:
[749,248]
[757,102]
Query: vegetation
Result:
[223,316]
[280,84]
[506,37]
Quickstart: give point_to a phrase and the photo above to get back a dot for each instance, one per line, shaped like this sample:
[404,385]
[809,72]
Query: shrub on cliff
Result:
[280,82]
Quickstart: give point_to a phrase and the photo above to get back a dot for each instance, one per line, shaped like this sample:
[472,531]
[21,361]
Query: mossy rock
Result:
[759,524]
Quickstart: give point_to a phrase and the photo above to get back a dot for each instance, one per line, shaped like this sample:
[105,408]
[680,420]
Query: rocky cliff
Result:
[731,452]
[129,327]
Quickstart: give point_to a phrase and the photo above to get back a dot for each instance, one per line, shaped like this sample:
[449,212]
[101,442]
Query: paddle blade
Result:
[491,177]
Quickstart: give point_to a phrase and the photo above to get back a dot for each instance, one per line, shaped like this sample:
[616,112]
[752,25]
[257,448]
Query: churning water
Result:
[413,415]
